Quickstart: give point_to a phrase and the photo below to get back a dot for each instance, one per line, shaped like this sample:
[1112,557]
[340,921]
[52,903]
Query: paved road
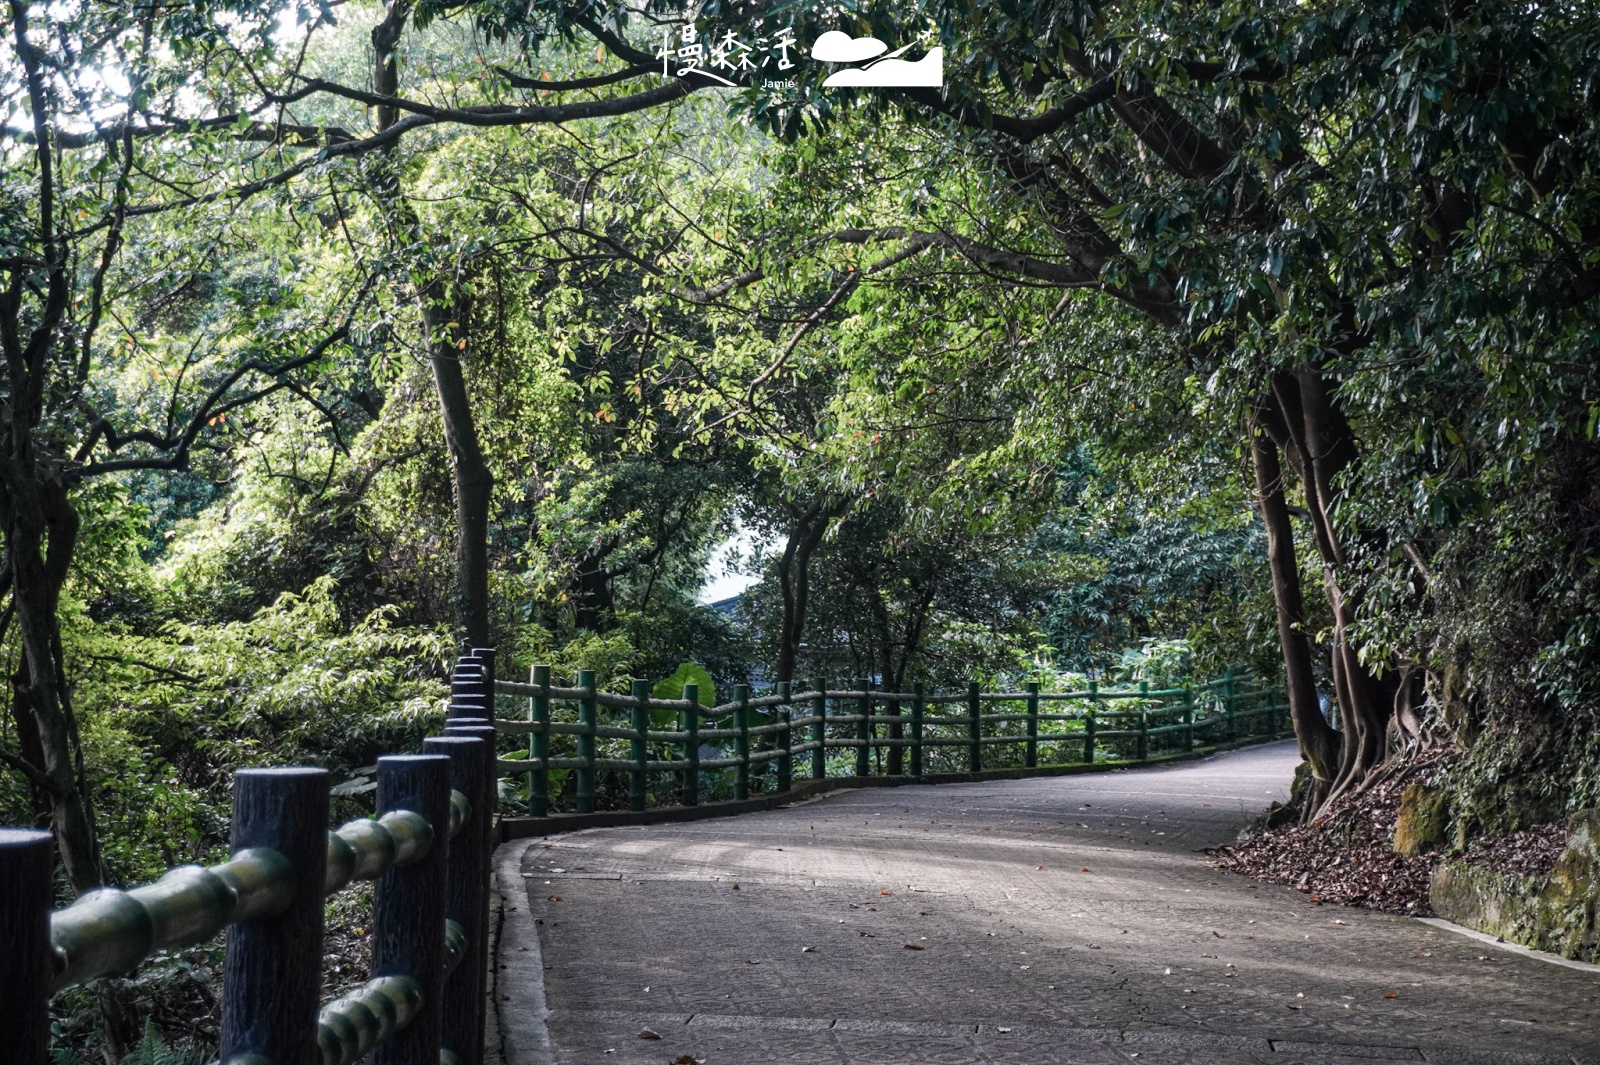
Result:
[1068,919]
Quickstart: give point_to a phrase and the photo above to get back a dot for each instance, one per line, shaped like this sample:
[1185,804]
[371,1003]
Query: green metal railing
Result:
[765,739]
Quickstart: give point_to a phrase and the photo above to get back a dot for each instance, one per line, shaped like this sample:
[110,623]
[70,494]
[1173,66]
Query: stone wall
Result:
[1555,912]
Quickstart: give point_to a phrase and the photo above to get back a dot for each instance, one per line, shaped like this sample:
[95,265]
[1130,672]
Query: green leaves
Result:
[687,673]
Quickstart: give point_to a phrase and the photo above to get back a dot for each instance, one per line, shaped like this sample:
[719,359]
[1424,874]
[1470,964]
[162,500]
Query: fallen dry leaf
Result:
[1391,995]
[912,946]
[552,898]
[648,1033]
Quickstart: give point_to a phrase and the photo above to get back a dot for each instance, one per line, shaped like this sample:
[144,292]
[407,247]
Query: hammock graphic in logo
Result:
[890,71]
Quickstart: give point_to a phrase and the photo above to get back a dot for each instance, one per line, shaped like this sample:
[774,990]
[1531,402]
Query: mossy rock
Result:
[1423,819]
[1571,896]
[1555,913]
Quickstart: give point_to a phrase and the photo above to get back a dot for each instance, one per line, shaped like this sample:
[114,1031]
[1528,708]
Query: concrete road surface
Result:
[1068,919]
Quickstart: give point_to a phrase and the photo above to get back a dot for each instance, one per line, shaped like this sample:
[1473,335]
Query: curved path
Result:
[1065,919]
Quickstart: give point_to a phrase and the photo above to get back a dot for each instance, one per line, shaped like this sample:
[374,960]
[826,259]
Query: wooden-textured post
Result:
[1144,722]
[408,910]
[638,780]
[1031,757]
[819,730]
[586,721]
[472,773]
[1227,704]
[785,739]
[689,795]
[539,779]
[1088,722]
[486,656]
[741,742]
[272,970]
[471,687]
[1188,717]
[916,728]
[864,730]
[974,729]
[27,864]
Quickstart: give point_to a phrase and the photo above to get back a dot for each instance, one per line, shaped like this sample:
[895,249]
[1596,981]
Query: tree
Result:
[1306,196]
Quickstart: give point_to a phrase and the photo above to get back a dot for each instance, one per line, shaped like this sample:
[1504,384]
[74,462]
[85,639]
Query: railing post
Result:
[586,721]
[1188,717]
[864,731]
[1227,704]
[638,780]
[1088,723]
[741,742]
[272,971]
[974,730]
[472,773]
[785,739]
[1031,758]
[485,656]
[408,911]
[819,730]
[689,795]
[916,729]
[1144,722]
[539,779]
[472,685]
[27,866]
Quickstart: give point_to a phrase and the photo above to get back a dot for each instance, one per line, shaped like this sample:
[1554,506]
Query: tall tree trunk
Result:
[1319,743]
[444,336]
[806,531]
[1317,438]
[474,483]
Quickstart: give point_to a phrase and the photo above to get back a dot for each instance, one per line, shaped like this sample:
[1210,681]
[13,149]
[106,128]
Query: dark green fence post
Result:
[1031,759]
[1088,722]
[689,794]
[916,729]
[1144,721]
[785,739]
[409,904]
[539,779]
[272,965]
[1188,718]
[472,773]
[586,721]
[1227,704]
[638,780]
[864,731]
[27,880]
[741,742]
[819,730]
[974,730]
